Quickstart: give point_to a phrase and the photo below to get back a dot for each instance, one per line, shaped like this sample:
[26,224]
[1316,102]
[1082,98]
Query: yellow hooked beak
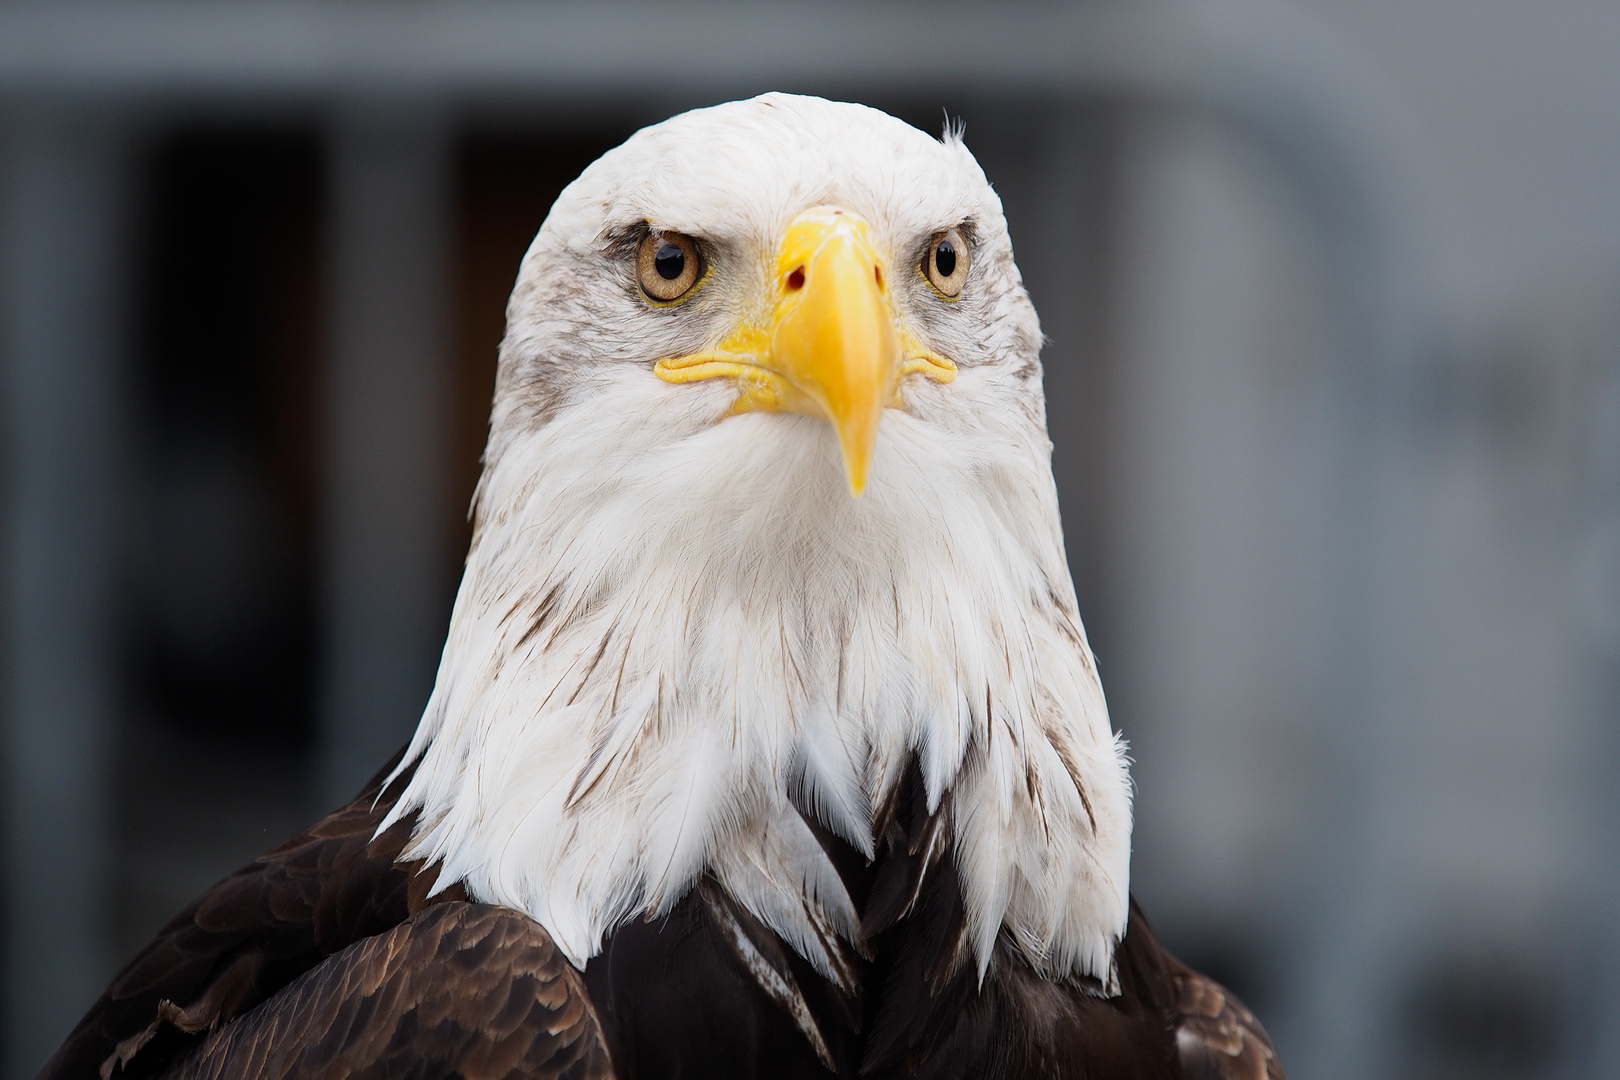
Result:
[833,349]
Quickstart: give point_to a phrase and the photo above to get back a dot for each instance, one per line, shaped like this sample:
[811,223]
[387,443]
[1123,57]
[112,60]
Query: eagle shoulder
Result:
[1217,1037]
[253,933]
[458,990]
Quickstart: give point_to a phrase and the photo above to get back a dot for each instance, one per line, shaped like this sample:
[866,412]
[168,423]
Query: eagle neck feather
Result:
[662,648]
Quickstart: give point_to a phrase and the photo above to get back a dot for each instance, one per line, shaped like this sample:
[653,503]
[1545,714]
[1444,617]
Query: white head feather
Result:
[676,625]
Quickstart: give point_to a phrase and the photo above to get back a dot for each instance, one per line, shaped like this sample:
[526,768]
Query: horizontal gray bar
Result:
[637,48]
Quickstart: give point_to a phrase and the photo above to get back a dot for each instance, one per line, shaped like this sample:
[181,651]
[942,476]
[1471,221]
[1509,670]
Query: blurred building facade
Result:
[1333,299]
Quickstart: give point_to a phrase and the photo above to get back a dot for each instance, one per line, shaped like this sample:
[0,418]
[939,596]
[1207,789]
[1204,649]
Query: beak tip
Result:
[855,474]
[857,460]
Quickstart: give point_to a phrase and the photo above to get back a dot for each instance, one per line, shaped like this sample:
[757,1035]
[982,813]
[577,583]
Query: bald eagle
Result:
[767,741]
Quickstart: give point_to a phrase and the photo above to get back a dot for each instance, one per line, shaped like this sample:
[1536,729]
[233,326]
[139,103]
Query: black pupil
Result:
[670,262]
[945,258]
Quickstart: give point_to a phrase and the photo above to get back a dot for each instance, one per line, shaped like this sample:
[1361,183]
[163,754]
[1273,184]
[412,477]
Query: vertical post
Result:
[61,243]
[1598,613]
[1070,281]
[386,424]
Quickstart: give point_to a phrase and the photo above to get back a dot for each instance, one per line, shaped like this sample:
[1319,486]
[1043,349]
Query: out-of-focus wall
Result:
[1333,381]
[1472,902]
[1514,112]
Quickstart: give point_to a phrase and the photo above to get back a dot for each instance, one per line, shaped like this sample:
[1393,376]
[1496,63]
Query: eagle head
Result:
[767,520]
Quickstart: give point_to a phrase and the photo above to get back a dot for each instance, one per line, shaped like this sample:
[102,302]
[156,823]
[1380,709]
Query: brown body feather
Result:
[458,990]
[326,958]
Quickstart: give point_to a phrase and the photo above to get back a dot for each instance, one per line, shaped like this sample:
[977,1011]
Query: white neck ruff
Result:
[652,649]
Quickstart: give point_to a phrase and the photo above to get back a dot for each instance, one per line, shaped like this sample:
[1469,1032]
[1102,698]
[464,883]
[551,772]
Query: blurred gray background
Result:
[1333,294]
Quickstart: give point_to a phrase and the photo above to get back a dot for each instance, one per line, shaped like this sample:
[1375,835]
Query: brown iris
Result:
[946,263]
[668,265]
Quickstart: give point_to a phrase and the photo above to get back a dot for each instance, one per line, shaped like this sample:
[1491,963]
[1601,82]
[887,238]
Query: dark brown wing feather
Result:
[249,936]
[460,990]
[1217,1038]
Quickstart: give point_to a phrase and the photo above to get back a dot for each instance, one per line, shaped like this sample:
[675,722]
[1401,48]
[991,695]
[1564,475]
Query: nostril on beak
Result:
[795,280]
[877,275]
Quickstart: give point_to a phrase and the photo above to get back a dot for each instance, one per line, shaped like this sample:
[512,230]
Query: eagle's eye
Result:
[669,266]
[946,263]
